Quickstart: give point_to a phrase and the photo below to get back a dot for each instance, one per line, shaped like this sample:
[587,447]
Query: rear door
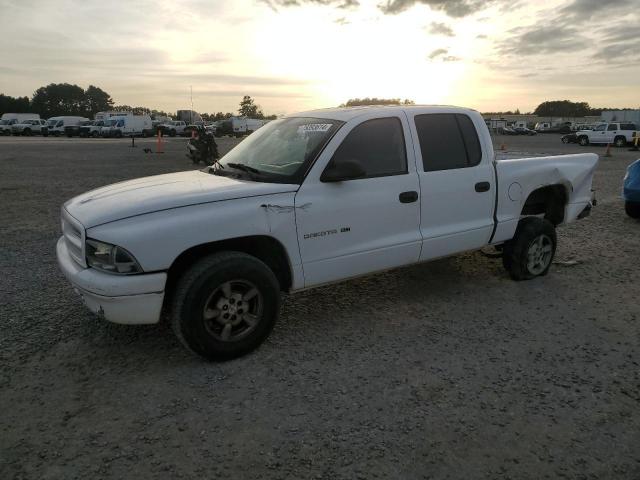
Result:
[354,227]
[457,183]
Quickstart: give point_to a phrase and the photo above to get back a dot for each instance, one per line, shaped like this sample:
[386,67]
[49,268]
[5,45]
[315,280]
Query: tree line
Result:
[58,99]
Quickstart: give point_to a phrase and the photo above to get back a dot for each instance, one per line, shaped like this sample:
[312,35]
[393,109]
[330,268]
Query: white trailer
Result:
[245,126]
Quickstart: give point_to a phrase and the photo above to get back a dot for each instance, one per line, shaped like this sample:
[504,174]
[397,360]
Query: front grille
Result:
[73,233]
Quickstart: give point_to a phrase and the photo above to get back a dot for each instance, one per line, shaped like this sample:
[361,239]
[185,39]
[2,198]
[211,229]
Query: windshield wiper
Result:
[244,168]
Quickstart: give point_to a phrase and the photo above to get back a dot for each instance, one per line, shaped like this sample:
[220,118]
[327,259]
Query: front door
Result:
[349,228]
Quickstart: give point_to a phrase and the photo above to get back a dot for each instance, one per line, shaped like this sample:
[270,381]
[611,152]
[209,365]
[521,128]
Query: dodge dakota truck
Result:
[309,199]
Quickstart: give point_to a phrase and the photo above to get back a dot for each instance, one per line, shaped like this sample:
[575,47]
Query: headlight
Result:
[110,258]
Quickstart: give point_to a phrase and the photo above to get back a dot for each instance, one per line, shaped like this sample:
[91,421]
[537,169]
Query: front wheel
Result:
[584,141]
[225,305]
[565,140]
[531,250]
[620,142]
[632,209]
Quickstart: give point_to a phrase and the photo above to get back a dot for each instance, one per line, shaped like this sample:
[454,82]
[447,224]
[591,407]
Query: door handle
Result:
[408,197]
[483,187]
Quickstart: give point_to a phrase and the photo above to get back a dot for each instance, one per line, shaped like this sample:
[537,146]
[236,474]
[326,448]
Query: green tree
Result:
[248,108]
[563,108]
[10,104]
[59,99]
[96,100]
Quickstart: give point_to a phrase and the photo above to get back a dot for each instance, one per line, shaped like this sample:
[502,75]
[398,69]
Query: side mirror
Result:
[345,170]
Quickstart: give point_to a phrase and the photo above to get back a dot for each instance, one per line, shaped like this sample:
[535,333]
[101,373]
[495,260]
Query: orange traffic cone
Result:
[608,152]
[159,146]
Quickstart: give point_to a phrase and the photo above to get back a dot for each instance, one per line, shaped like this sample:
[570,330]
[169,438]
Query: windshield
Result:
[281,150]
[52,122]
[110,123]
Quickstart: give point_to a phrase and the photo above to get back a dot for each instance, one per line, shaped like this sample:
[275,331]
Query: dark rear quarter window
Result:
[447,141]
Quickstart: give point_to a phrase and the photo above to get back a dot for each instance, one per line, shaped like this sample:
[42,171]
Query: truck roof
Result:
[347,113]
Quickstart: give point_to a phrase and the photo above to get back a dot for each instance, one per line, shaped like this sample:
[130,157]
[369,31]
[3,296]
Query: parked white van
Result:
[126,125]
[57,124]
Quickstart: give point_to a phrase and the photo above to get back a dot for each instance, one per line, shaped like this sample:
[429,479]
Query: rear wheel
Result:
[565,140]
[584,141]
[225,305]
[27,132]
[632,209]
[95,134]
[620,142]
[531,250]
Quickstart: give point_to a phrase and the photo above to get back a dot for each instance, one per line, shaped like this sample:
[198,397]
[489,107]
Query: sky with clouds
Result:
[293,55]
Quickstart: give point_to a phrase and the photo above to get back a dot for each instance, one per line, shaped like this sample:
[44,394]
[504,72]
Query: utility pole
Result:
[191,111]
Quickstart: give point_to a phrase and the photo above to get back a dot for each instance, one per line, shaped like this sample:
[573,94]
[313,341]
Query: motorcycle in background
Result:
[202,147]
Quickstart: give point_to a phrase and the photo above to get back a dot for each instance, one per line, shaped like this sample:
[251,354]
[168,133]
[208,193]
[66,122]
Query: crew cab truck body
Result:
[313,198]
[30,127]
[618,134]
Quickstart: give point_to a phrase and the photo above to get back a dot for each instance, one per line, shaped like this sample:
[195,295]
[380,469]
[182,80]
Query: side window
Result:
[447,141]
[612,127]
[378,145]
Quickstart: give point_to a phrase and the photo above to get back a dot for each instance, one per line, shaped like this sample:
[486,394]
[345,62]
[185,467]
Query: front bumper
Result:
[126,299]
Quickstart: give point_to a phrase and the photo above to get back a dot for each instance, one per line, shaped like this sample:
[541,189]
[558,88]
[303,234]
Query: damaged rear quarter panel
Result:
[573,172]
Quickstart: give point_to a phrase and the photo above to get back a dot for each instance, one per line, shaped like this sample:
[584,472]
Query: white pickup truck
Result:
[313,198]
[618,134]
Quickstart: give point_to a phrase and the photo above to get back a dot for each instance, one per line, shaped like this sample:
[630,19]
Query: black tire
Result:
[565,140]
[583,140]
[118,134]
[196,291]
[632,209]
[56,134]
[532,234]
[95,134]
[620,142]
[27,132]
[144,134]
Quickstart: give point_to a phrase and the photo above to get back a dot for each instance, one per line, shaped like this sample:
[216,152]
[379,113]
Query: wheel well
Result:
[267,249]
[549,201]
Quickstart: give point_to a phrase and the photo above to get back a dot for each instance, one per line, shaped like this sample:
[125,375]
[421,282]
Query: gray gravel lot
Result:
[443,370]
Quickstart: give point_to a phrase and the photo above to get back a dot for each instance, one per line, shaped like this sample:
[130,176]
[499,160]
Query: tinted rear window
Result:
[447,141]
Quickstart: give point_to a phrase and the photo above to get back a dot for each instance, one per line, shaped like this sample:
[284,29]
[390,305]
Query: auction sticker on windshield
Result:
[315,127]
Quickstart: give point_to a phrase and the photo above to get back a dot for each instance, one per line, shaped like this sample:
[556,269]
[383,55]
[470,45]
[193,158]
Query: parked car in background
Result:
[5,127]
[30,127]
[310,199]
[126,126]
[57,124]
[172,128]
[618,134]
[508,131]
[74,130]
[9,119]
[92,129]
[570,138]
[524,131]
[631,190]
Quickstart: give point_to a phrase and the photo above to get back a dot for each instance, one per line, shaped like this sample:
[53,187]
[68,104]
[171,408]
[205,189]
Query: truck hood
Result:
[163,192]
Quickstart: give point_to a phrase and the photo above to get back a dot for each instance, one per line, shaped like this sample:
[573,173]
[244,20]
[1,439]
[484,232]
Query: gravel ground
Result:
[443,370]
